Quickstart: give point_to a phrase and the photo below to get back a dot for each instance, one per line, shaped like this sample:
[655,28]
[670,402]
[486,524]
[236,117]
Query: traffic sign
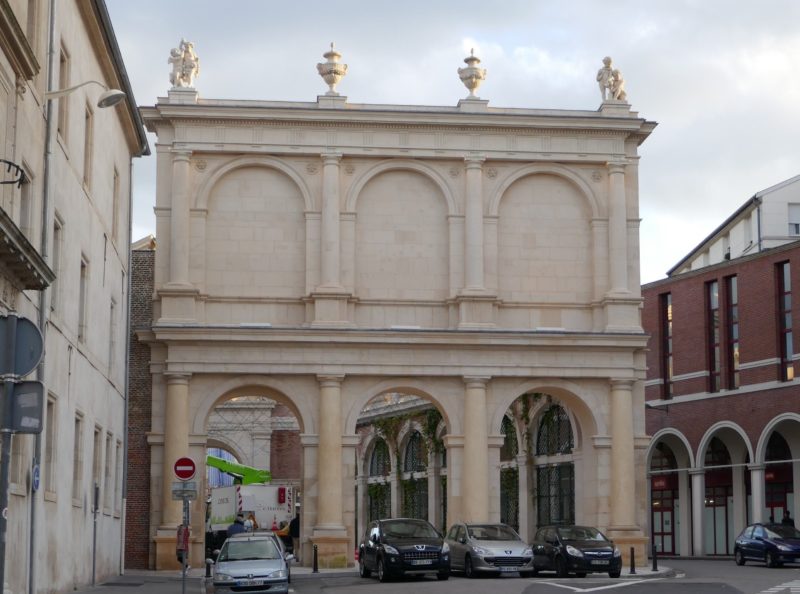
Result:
[37,476]
[28,350]
[184,468]
[28,407]
[184,490]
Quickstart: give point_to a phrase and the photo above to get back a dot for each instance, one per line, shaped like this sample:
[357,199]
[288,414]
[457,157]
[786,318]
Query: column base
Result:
[624,540]
[333,550]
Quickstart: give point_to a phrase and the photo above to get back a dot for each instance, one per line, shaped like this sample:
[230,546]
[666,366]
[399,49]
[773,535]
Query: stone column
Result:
[330,235]
[739,500]
[617,230]
[176,444]
[473,236]
[454,444]
[684,515]
[330,453]
[524,497]
[758,492]
[623,485]
[179,221]
[698,508]
[475,467]
[796,490]
[494,444]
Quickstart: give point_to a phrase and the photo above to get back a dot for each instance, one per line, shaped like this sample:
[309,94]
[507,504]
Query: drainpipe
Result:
[126,399]
[758,222]
[44,306]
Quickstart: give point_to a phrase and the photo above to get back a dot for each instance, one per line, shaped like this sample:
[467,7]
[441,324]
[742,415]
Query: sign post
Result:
[184,469]
[21,349]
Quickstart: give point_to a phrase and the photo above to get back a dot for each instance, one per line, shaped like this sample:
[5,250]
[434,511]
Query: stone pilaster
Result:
[617,230]
[698,507]
[475,472]
[758,490]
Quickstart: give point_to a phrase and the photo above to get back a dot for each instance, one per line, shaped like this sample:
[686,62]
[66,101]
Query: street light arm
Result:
[68,90]
[107,99]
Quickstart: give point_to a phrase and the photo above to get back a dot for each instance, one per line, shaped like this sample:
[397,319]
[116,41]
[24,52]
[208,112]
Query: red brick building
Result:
[723,401]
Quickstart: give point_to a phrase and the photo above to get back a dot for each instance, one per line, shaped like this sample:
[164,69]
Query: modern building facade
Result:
[65,238]
[323,254]
[723,401]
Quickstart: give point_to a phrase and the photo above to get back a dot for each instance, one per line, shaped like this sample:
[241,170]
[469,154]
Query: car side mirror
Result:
[215,552]
[288,557]
[462,540]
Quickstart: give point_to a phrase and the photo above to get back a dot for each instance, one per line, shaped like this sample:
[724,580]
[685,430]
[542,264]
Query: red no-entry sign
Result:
[184,468]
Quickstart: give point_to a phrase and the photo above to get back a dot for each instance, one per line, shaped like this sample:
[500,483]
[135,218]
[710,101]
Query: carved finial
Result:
[185,64]
[472,76]
[332,71]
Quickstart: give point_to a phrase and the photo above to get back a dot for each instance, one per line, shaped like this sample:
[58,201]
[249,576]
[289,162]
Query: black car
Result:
[773,544]
[578,549]
[403,546]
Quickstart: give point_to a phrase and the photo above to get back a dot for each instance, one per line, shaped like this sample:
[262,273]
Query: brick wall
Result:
[285,455]
[758,342]
[137,529]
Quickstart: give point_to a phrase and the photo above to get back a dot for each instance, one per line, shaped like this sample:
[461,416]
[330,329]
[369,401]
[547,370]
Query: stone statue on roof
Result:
[185,65]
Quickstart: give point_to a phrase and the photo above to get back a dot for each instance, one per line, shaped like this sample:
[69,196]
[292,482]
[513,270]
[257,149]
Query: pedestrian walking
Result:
[294,532]
[787,519]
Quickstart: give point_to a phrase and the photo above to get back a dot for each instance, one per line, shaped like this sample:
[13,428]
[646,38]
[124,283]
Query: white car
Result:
[252,563]
[488,549]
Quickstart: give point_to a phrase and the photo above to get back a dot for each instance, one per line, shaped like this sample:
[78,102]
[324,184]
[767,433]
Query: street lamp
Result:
[107,99]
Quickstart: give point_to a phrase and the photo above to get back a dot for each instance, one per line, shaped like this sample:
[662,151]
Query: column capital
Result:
[616,166]
[179,155]
[330,380]
[474,161]
[174,378]
[331,158]
[309,440]
[756,466]
[621,383]
[697,471]
[476,380]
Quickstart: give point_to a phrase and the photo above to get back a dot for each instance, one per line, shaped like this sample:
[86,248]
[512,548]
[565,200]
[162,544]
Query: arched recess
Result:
[370,442]
[223,443]
[252,386]
[201,203]
[782,423]
[732,436]
[677,442]
[384,166]
[400,385]
[597,210]
[566,393]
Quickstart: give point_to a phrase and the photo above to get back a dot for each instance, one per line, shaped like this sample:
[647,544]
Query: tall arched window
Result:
[510,447]
[378,490]
[414,460]
[414,490]
[379,462]
[555,432]
[555,492]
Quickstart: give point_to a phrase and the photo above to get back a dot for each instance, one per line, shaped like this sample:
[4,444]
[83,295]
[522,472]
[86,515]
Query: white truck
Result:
[271,505]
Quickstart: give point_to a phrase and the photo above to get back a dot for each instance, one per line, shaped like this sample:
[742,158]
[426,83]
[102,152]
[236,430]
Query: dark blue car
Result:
[773,544]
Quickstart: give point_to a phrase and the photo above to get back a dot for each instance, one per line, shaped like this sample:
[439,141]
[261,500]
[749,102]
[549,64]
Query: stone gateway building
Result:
[324,254]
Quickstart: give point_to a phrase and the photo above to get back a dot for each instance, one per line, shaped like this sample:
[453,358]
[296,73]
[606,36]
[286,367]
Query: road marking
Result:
[793,586]
[598,588]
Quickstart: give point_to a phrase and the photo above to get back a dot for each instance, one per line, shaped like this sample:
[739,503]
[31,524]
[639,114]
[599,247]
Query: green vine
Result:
[429,426]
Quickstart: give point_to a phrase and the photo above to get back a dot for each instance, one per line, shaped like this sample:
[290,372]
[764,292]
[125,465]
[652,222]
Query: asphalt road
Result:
[690,577]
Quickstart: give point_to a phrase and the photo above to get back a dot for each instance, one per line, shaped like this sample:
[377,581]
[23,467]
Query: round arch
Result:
[223,443]
[566,392]
[578,182]
[792,440]
[672,437]
[415,387]
[724,430]
[384,166]
[251,386]
[204,193]
[371,439]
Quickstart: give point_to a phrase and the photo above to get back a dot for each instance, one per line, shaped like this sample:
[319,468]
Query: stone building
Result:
[722,394]
[325,253]
[64,238]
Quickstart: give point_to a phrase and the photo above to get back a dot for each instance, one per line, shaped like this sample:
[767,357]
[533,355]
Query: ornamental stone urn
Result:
[332,71]
[472,76]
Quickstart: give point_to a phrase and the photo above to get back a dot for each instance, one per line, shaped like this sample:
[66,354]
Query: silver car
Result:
[252,563]
[488,548]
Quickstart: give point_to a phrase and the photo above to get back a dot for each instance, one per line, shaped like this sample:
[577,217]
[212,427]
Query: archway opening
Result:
[402,459]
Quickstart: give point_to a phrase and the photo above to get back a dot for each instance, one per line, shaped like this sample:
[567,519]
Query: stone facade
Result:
[64,233]
[321,254]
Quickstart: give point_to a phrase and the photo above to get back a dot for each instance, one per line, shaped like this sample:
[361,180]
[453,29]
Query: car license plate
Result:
[599,561]
[508,569]
[422,562]
[250,583]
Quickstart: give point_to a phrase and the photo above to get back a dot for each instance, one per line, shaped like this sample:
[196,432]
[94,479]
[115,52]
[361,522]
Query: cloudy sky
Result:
[721,77]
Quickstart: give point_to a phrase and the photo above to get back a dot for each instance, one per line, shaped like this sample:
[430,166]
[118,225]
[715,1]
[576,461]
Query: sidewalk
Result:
[169,582]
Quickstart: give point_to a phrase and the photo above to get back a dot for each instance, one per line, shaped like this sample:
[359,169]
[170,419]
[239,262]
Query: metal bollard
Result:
[655,558]
[315,567]
[633,562]
[208,568]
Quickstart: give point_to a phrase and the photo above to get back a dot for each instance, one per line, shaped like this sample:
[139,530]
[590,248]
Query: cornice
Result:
[15,45]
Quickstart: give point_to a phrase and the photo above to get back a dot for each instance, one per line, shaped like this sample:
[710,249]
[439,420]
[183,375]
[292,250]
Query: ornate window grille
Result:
[379,499]
[555,494]
[509,497]
[555,432]
[510,447]
[415,498]
[379,462]
[414,460]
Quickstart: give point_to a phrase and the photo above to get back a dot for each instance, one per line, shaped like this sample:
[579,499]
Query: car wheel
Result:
[362,567]
[614,574]
[581,574]
[738,557]
[468,570]
[442,576]
[382,575]
[561,567]
[770,560]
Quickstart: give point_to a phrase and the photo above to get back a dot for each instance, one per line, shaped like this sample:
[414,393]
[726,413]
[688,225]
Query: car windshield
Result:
[781,531]
[580,533]
[492,532]
[248,550]
[407,529]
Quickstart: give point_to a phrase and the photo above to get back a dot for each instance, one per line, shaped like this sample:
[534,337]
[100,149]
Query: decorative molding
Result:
[14,44]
